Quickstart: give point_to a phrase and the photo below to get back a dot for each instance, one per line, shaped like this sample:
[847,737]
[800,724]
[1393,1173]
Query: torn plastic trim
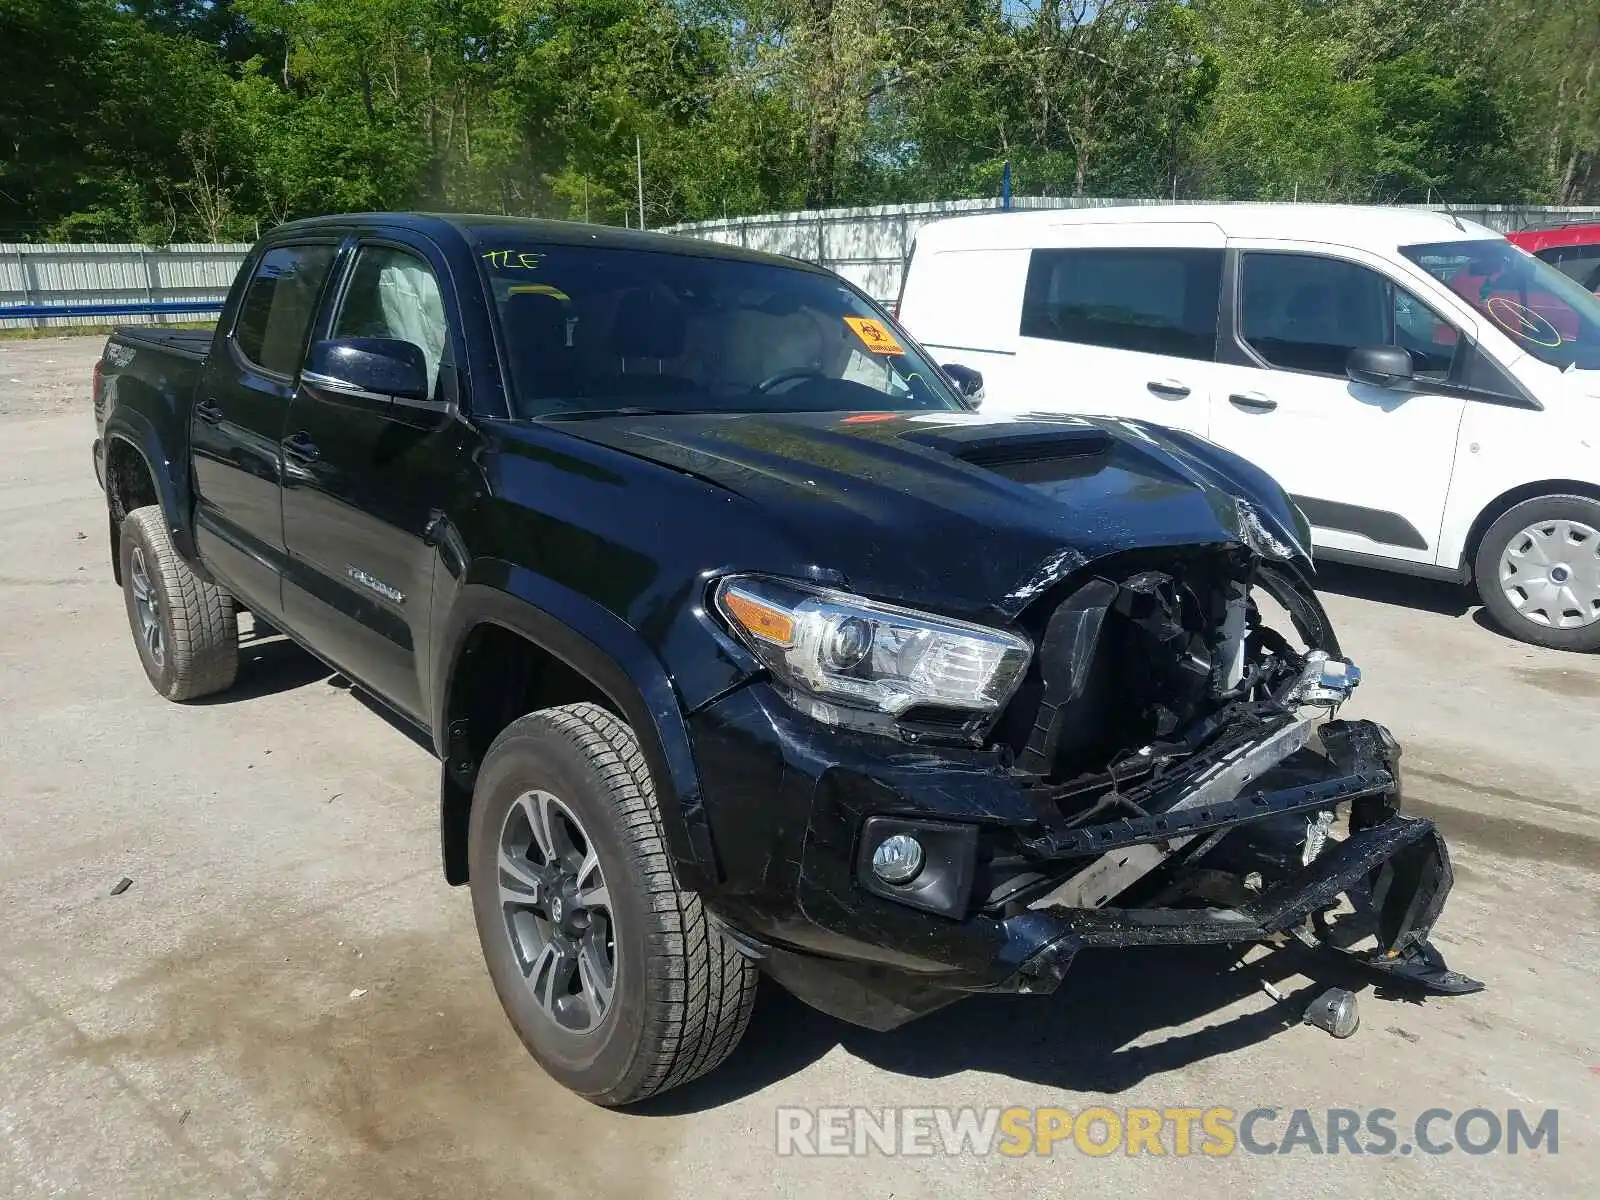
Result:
[1406,854]
[1113,873]
[1135,831]
[1290,588]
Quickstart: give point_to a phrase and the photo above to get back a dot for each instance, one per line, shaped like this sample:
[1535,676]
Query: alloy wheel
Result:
[147,604]
[557,911]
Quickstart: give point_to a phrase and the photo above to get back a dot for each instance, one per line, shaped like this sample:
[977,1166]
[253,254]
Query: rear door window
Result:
[1157,301]
[278,305]
[1304,312]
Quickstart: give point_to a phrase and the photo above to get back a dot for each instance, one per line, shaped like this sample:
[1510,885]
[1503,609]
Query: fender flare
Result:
[139,432]
[604,649]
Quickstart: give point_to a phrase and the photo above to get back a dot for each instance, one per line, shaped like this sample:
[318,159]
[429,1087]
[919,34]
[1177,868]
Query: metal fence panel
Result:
[868,246]
[94,273]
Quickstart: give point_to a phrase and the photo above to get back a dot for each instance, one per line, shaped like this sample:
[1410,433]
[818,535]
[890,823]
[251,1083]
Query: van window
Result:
[278,306]
[1157,301]
[1304,312]
[1540,309]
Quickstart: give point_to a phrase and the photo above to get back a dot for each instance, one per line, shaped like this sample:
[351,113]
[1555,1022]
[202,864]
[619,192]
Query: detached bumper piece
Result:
[1399,872]
[1395,869]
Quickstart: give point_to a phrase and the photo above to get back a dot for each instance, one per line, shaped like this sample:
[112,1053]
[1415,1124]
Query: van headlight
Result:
[864,655]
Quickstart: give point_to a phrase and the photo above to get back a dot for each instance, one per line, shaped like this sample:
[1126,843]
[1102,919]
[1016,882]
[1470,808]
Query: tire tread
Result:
[203,649]
[699,990]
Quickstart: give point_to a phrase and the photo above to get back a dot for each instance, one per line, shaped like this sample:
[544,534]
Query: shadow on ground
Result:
[267,666]
[1400,591]
[1077,1039]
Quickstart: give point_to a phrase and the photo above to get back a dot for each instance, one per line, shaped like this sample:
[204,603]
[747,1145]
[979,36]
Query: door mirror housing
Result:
[967,381]
[1380,366]
[369,371]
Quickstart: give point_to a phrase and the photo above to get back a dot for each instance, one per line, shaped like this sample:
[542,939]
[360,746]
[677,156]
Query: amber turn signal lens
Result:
[765,621]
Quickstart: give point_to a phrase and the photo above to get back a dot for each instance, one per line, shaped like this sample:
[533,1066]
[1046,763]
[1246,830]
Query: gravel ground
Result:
[45,375]
[288,1001]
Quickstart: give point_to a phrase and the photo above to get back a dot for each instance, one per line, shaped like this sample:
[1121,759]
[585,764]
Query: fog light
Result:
[1334,1011]
[898,859]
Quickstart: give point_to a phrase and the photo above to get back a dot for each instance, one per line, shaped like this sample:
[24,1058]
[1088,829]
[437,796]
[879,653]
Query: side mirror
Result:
[968,382]
[1380,367]
[370,371]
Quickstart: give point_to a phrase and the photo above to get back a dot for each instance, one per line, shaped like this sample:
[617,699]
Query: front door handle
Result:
[432,530]
[1169,389]
[1252,402]
[300,447]
[208,412]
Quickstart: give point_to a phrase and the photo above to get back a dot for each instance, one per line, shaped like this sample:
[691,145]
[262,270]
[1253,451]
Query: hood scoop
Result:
[1027,455]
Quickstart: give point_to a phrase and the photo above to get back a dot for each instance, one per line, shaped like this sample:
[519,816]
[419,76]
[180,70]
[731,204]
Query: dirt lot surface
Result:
[288,1000]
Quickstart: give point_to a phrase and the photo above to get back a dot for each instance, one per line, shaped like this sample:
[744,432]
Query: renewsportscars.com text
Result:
[1213,1132]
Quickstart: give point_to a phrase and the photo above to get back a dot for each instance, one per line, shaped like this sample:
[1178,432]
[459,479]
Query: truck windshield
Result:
[1542,310]
[592,329]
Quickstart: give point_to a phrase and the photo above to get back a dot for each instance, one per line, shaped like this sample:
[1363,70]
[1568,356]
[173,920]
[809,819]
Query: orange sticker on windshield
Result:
[874,336]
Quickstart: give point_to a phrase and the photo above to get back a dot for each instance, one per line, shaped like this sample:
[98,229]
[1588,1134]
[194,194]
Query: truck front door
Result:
[365,480]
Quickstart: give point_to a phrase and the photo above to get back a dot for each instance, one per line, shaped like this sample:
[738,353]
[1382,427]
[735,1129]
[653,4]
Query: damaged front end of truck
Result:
[1220,824]
[1009,688]
[1171,771]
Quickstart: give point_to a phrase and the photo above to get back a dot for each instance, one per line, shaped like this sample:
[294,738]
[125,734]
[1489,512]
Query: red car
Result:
[1574,250]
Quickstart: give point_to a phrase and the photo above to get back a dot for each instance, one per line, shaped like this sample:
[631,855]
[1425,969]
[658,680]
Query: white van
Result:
[1428,393]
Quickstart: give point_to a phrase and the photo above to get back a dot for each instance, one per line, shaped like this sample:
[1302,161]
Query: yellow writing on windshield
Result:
[514,260]
[539,289]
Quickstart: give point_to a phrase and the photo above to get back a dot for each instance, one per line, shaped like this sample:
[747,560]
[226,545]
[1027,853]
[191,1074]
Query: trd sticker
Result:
[874,336]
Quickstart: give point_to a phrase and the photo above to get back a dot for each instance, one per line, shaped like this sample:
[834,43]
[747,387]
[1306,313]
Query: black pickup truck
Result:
[746,642]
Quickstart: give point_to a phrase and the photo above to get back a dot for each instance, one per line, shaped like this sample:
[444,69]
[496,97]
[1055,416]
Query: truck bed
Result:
[189,343]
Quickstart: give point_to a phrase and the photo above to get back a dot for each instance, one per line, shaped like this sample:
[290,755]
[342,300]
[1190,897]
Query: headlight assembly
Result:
[859,654]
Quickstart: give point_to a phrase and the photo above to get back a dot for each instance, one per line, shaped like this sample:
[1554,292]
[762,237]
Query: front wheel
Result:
[612,976]
[1538,572]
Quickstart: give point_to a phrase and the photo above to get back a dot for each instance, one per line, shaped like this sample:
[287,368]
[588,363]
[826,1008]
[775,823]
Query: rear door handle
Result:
[301,448]
[1170,389]
[208,412]
[1252,402]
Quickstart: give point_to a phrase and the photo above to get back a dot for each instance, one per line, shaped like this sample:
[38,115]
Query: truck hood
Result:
[980,513]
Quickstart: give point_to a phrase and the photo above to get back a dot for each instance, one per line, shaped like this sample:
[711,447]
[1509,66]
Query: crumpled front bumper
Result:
[879,964]
[1399,871]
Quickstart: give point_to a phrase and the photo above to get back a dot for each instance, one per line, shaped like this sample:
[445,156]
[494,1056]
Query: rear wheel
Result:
[184,627]
[611,975]
[1538,572]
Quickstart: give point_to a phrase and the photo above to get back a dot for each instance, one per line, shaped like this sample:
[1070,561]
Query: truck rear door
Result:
[237,421]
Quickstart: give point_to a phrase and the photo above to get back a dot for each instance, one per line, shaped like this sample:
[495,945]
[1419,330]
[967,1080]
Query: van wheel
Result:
[1538,572]
[184,627]
[613,977]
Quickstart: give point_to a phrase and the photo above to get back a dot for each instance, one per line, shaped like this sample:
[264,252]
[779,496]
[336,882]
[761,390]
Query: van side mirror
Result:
[1380,367]
[968,382]
[369,371]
